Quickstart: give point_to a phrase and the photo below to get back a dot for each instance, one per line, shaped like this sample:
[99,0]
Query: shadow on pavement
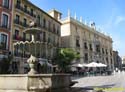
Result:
[88,88]
[78,89]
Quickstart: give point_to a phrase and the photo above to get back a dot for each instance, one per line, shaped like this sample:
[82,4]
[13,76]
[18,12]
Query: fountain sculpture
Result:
[33,48]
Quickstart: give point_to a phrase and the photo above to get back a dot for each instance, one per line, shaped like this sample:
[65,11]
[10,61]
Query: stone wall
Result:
[35,83]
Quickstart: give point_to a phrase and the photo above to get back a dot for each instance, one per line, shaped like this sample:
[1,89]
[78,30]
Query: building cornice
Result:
[84,26]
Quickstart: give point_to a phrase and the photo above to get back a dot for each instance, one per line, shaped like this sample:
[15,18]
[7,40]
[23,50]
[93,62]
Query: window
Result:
[54,28]
[16,35]
[6,3]
[111,52]
[44,36]
[24,22]
[5,21]
[77,43]
[103,50]
[16,32]
[106,51]
[25,8]
[107,60]
[85,45]
[86,57]
[31,12]
[49,25]
[18,2]
[24,36]
[90,47]
[3,43]
[58,30]
[97,48]
[17,19]
[44,23]
[38,20]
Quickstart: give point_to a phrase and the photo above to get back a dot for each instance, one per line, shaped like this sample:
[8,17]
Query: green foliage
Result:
[64,58]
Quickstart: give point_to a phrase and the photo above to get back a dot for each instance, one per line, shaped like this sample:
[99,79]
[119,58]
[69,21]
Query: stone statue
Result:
[33,24]
[32,61]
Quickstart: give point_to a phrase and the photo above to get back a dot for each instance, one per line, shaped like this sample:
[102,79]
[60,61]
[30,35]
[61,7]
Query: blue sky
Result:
[109,15]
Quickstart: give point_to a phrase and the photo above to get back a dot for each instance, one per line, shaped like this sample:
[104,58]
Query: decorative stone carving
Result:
[32,61]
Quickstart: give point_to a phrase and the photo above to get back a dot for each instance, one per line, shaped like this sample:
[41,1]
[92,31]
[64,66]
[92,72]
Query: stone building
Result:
[123,60]
[117,60]
[5,26]
[24,12]
[123,63]
[86,40]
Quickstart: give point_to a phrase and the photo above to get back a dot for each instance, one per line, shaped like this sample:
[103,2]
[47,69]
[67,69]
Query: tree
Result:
[64,58]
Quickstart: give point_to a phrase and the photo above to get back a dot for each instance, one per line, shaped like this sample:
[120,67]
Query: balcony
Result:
[25,25]
[17,37]
[18,6]
[3,46]
[6,6]
[5,27]
[20,23]
[16,21]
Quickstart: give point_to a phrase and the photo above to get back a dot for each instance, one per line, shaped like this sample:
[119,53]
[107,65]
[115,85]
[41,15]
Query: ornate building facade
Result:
[92,45]
[5,26]
[24,12]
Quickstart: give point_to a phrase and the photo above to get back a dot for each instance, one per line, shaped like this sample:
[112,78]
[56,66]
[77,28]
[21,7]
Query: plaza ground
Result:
[113,83]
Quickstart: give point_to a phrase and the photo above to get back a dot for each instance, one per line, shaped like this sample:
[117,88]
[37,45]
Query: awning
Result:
[101,65]
[78,65]
[92,64]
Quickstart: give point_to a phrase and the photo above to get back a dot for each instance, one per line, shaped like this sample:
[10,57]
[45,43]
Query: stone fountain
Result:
[34,82]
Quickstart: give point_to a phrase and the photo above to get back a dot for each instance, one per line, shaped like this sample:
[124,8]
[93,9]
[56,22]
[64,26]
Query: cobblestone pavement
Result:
[112,83]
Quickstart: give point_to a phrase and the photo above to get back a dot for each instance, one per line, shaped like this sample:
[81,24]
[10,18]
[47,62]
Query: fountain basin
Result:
[35,83]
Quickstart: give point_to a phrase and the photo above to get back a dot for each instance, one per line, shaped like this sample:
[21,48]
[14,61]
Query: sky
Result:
[108,15]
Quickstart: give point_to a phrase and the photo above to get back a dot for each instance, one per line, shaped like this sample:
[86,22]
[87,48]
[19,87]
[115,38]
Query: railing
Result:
[5,6]
[17,37]
[20,38]
[21,23]
[3,46]
[5,27]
